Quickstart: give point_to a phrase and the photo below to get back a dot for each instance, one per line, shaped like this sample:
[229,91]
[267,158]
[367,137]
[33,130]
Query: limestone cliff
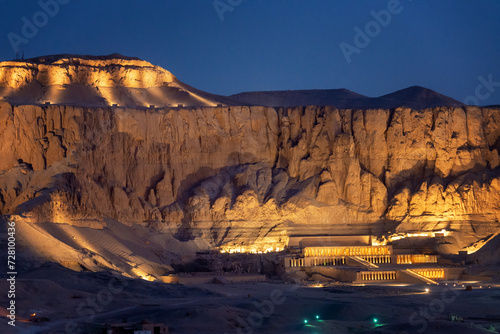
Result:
[252,176]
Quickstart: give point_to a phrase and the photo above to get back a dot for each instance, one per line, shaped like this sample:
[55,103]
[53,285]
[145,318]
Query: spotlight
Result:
[426,290]
[317,317]
[375,320]
[305,321]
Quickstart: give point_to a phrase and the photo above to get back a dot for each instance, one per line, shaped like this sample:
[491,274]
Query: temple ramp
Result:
[356,261]
[410,276]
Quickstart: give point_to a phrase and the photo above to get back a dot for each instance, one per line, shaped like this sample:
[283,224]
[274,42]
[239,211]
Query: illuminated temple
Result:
[355,259]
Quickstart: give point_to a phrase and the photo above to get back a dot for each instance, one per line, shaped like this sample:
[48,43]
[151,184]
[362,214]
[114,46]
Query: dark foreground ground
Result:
[72,302]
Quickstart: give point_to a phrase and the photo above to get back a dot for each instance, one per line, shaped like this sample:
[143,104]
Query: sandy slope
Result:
[238,308]
[133,251]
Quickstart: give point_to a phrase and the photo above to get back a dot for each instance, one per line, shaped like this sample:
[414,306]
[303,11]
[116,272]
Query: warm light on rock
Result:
[95,81]
[254,249]
[398,236]
[242,179]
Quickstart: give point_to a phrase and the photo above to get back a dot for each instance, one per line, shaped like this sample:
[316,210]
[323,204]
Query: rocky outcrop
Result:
[97,82]
[252,176]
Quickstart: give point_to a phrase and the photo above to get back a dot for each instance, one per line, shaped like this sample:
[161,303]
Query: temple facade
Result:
[362,262]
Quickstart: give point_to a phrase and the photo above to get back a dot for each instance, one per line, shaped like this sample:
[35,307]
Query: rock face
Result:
[249,177]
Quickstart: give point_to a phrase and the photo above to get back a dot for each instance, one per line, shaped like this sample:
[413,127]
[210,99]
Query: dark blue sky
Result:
[451,46]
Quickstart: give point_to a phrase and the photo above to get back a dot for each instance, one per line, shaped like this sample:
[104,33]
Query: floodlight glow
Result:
[426,290]
[375,320]
[317,317]
[305,321]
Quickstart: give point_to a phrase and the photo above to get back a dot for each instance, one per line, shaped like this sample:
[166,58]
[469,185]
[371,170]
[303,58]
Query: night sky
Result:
[450,46]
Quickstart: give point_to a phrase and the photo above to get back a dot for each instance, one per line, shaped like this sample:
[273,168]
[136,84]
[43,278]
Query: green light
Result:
[375,320]
[305,321]
[317,317]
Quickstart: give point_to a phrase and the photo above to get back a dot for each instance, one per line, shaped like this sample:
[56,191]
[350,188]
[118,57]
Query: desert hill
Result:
[101,81]
[414,97]
[97,81]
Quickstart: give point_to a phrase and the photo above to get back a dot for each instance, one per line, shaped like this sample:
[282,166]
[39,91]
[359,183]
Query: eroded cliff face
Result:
[249,177]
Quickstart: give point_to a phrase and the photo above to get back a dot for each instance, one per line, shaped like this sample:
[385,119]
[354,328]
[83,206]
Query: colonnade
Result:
[297,262]
[347,251]
[416,258]
[332,261]
[430,273]
[308,262]
[377,276]
[377,259]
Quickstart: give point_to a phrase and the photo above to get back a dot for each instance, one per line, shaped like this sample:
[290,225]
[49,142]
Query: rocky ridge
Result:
[414,97]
